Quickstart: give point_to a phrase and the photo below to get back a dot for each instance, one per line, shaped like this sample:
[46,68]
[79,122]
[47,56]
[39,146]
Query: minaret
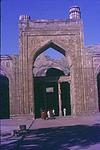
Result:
[74,12]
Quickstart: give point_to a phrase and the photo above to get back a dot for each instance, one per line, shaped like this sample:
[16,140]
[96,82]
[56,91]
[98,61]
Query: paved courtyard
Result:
[66,133]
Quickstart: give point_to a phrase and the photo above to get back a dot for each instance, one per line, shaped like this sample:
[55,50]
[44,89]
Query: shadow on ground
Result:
[59,138]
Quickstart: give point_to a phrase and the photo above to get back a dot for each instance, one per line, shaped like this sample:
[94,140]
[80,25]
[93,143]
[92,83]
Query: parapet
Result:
[73,22]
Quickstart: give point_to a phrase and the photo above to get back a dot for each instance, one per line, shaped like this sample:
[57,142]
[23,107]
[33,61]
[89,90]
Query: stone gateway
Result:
[31,84]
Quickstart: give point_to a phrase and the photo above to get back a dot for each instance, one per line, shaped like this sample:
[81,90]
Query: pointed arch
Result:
[7,74]
[48,44]
[56,44]
[4,96]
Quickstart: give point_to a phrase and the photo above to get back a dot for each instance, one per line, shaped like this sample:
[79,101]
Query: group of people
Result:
[49,114]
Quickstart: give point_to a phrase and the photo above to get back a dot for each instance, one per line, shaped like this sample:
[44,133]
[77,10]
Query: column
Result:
[59,99]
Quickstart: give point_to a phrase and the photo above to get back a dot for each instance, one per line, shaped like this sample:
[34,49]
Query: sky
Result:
[46,9]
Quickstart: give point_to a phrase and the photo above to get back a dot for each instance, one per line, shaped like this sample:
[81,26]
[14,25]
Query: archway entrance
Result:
[98,85]
[46,93]
[47,71]
[4,97]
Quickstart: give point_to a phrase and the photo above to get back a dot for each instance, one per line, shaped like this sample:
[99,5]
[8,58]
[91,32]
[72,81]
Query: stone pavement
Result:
[66,133]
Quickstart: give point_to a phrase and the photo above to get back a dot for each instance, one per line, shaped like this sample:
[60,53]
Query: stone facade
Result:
[83,63]
[10,69]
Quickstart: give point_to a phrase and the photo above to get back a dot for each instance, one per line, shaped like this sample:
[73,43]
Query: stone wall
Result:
[65,36]
[91,67]
[10,69]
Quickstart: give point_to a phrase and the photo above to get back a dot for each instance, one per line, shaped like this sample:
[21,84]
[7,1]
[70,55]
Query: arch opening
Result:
[47,46]
[98,86]
[4,97]
[46,74]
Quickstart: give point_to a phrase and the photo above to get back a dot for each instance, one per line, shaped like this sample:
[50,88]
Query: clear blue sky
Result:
[46,9]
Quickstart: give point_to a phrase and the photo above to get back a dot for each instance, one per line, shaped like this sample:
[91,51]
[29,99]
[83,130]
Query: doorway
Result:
[47,70]
[46,91]
[65,97]
[4,97]
[46,95]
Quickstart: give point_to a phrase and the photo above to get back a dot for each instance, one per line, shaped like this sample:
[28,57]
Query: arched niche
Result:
[4,97]
[7,75]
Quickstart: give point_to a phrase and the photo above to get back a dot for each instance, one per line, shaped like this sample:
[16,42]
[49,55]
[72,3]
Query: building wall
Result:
[10,69]
[66,36]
